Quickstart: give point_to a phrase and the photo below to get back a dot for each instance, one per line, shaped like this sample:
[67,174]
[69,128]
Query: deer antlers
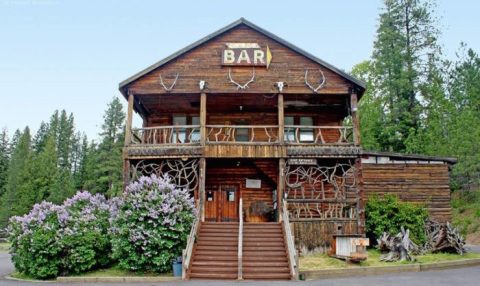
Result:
[321,85]
[168,89]
[241,86]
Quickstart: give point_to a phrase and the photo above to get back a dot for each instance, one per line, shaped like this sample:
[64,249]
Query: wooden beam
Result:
[281,120]
[126,173]
[203,118]
[201,186]
[128,124]
[355,119]
[280,187]
[360,197]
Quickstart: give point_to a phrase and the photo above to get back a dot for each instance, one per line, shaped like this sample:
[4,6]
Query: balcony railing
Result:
[242,134]
[167,135]
[318,135]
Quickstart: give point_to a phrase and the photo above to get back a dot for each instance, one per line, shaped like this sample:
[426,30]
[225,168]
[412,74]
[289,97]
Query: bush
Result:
[87,240]
[55,240]
[152,224]
[37,240]
[389,214]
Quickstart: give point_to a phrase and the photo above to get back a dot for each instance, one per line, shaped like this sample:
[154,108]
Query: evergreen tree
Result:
[4,159]
[406,43]
[41,137]
[105,163]
[80,173]
[17,199]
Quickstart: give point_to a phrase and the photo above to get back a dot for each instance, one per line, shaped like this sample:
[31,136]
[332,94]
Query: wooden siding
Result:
[204,63]
[313,234]
[426,184]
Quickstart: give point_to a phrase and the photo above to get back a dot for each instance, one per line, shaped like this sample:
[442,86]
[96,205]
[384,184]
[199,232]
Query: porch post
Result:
[280,187]
[355,119]
[203,118]
[201,186]
[281,120]
[128,124]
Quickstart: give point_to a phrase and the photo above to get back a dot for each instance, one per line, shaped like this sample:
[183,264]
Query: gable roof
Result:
[231,26]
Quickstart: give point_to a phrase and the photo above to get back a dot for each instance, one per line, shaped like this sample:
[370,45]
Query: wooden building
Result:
[265,136]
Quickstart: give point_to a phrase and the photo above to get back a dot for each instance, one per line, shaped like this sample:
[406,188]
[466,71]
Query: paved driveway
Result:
[464,276]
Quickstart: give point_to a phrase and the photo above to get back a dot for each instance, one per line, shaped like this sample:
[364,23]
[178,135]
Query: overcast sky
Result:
[59,54]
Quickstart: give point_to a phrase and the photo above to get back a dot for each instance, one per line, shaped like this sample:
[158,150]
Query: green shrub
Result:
[152,225]
[389,214]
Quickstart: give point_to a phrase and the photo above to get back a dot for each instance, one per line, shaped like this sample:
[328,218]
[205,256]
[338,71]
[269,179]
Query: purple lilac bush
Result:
[55,240]
[152,224]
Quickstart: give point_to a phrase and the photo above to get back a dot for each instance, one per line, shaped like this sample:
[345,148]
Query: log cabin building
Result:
[266,137]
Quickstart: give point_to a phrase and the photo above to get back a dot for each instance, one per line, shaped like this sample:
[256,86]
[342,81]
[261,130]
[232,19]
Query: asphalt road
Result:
[463,276]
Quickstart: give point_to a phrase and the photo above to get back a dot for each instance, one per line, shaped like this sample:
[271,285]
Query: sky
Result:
[62,54]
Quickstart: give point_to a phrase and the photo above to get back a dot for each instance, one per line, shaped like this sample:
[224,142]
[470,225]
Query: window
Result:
[289,133]
[242,134]
[306,134]
[179,134]
[195,132]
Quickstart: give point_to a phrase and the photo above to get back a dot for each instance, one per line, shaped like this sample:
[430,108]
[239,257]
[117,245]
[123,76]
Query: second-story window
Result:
[179,133]
[242,134]
[195,132]
[289,133]
[306,133]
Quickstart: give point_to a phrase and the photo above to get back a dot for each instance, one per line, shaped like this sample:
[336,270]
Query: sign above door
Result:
[246,54]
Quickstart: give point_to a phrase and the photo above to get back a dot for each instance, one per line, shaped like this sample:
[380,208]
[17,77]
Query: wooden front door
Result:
[221,203]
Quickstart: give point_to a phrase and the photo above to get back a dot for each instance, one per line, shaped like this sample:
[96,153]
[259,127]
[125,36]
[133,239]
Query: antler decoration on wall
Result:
[320,86]
[168,89]
[241,86]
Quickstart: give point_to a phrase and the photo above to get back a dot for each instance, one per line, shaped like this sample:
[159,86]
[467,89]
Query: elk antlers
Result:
[168,89]
[320,86]
[241,86]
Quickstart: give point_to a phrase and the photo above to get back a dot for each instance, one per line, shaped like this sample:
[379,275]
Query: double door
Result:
[221,203]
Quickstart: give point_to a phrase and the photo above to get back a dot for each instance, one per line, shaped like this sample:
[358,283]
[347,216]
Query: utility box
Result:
[350,247]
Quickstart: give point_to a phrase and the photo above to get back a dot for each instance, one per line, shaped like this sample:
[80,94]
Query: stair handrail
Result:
[187,252]
[292,253]
[240,241]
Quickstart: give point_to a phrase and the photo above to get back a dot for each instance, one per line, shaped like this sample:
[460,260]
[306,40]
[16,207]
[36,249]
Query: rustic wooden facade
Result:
[262,132]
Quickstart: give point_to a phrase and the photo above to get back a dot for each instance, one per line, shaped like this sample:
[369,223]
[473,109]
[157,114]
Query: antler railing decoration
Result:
[320,86]
[168,89]
[241,86]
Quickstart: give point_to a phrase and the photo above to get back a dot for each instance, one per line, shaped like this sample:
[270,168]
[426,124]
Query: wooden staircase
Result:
[215,254]
[264,256]
[264,252]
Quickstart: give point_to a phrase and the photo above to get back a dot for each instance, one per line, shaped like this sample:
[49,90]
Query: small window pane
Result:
[195,131]
[195,120]
[241,135]
[179,134]
[289,133]
[306,134]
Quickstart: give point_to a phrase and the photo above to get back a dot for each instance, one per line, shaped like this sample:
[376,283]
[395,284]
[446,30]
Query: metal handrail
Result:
[240,241]
[292,253]
[187,252]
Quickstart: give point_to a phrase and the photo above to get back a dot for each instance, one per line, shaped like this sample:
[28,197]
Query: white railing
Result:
[173,134]
[242,134]
[187,252]
[323,135]
[292,253]
[240,241]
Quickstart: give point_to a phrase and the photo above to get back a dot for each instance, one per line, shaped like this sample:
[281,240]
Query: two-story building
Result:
[262,133]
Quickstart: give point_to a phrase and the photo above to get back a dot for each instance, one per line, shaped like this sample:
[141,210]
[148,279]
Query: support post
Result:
[201,186]
[281,120]
[126,171]
[360,197]
[281,187]
[128,124]
[355,119]
[203,118]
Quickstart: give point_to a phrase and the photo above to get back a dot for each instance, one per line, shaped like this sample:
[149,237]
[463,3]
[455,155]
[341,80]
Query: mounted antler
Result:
[168,89]
[241,86]
[321,85]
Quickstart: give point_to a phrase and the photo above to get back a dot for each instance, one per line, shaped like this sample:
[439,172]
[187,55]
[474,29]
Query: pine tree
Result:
[17,199]
[41,137]
[406,41]
[80,173]
[4,159]
[105,163]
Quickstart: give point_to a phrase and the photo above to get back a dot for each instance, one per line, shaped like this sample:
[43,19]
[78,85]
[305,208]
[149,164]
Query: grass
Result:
[322,261]
[4,247]
[466,214]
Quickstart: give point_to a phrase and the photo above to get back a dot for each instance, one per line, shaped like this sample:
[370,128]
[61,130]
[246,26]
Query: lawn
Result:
[322,261]
[4,247]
